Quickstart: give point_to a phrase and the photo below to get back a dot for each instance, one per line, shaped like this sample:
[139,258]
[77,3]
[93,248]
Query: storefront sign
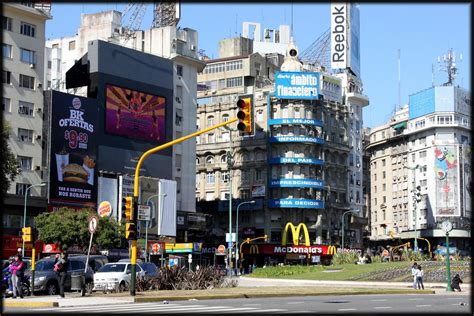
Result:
[295,203]
[298,121]
[301,183]
[296,139]
[297,85]
[309,161]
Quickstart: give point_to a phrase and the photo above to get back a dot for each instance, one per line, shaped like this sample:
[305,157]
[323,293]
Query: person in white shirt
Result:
[413,273]
[419,277]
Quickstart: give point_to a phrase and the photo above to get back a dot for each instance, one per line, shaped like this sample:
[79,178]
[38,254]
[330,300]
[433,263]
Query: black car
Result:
[150,268]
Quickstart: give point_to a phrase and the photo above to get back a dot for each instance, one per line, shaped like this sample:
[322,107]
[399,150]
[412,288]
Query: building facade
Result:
[424,153]
[23,84]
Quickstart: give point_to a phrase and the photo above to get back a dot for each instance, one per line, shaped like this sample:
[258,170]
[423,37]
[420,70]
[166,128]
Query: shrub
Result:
[346,257]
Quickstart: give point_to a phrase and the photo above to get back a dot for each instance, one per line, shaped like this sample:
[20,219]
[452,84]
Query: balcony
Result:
[356,97]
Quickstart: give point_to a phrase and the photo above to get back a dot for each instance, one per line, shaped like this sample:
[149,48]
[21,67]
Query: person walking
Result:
[17,269]
[61,265]
[414,268]
[419,278]
[455,283]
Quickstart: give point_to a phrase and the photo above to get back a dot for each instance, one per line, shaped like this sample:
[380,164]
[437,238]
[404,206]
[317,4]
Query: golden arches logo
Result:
[253,249]
[296,234]
[332,250]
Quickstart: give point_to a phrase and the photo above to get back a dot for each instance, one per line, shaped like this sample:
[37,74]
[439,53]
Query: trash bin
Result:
[78,281]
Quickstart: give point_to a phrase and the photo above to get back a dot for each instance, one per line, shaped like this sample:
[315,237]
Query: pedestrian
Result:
[419,278]
[414,268]
[18,268]
[9,274]
[60,267]
[455,283]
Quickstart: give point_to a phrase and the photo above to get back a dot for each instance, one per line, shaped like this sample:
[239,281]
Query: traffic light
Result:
[130,231]
[244,115]
[127,208]
[27,234]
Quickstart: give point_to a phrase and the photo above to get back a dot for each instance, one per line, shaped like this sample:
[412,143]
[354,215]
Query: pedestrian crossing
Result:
[157,308]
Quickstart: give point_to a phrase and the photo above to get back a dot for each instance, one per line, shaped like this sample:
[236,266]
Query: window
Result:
[72,45]
[225,176]
[27,56]
[244,194]
[234,82]
[179,70]
[25,135]
[55,46]
[24,163]
[210,178]
[21,189]
[384,198]
[7,23]
[384,187]
[6,105]
[27,81]
[50,63]
[383,162]
[245,175]
[258,175]
[7,51]
[7,77]
[422,141]
[375,187]
[375,201]
[422,154]
[225,136]
[27,29]
[423,183]
[383,174]
[211,138]
[209,160]
[224,158]
[210,120]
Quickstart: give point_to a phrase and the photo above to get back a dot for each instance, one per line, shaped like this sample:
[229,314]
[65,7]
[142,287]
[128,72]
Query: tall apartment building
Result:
[177,44]
[23,82]
[427,144]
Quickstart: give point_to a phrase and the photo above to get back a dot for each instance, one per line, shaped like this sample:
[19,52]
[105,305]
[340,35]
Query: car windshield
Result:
[44,265]
[113,268]
[149,268]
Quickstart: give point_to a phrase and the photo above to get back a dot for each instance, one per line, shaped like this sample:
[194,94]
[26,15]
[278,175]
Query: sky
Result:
[422,33]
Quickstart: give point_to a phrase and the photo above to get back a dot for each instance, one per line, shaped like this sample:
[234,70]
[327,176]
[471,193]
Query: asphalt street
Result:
[407,303]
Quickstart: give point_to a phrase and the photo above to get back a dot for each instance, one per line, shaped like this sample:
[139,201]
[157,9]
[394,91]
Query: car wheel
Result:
[25,290]
[122,287]
[51,289]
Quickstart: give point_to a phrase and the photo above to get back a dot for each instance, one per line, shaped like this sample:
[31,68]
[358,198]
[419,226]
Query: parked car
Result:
[46,280]
[151,270]
[97,261]
[115,276]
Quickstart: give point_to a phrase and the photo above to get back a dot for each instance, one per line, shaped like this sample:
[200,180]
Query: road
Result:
[407,303]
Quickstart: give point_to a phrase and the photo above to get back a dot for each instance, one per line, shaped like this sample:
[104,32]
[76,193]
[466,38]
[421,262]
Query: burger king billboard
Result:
[72,172]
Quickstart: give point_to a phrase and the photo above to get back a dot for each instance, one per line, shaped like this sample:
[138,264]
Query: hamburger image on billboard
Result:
[73,146]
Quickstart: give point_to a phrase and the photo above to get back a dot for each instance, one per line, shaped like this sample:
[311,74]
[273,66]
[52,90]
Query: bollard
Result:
[33,262]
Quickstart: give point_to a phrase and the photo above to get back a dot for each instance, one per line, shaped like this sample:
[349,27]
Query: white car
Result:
[115,276]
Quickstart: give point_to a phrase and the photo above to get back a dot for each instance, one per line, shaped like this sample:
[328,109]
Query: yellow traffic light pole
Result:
[247,241]
[135,188]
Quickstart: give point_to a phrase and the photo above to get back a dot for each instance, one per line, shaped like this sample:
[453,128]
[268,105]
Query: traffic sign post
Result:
[92,225]
[144,215]
[190,260]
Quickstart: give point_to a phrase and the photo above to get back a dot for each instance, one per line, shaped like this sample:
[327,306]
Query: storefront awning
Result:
[400,125]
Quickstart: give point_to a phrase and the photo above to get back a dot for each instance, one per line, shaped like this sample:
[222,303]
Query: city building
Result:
[23,83]
[179,45]
[421,169]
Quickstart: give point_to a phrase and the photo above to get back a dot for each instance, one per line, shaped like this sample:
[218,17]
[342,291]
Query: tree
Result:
[9,164]
[69,227]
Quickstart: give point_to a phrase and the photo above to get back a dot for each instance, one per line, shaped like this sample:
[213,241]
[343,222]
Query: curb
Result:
[26,304]
[258,295]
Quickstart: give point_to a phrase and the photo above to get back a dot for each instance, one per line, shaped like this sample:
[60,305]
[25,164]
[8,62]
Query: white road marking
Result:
[251,304]
[347,309]
[290,303]
[416,299]
[382,307]
[422,305]
[377,300]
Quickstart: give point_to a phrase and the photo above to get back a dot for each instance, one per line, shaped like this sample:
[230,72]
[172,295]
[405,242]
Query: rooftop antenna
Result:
[432,76]
[291,31]
[449,66]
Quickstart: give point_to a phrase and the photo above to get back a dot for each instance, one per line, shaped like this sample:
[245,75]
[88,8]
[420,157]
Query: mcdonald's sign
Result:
[331,250]
[253,249]
[295,233]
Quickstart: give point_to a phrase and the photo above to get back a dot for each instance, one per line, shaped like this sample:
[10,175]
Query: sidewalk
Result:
[248,287]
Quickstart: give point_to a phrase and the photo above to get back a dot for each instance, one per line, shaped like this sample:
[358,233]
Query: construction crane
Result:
[318,53]
[132,17]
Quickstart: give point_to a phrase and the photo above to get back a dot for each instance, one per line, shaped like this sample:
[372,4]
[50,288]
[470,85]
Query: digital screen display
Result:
[134,114]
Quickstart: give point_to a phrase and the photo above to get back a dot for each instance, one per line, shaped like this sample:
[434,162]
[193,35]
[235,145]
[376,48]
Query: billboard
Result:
[148,188]
[108,192]
[167,208]
[297,85]
[73,171]
[354,40]
[339,36]
[421,103]
[446,168]
[134,114]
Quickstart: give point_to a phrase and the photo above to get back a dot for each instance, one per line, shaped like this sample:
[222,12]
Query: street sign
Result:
[155,247]
[93,220]
[227,237]
[190,258]
[221,249]
[144,212]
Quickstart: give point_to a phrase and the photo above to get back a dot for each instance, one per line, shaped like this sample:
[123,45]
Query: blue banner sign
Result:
[296,139]
[295,121]
[295,203]
[292,183]
[310,161]
[297,85]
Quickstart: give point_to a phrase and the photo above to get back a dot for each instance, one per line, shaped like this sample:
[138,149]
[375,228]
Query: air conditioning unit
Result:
[39,110]
[38,137]
[193,47]
[39,86]
[37,168]
[32,66]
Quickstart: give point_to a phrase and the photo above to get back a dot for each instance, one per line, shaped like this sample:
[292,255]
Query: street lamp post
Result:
[342,222]
[415,242]
[24,211]
[229,166]
[237,233]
